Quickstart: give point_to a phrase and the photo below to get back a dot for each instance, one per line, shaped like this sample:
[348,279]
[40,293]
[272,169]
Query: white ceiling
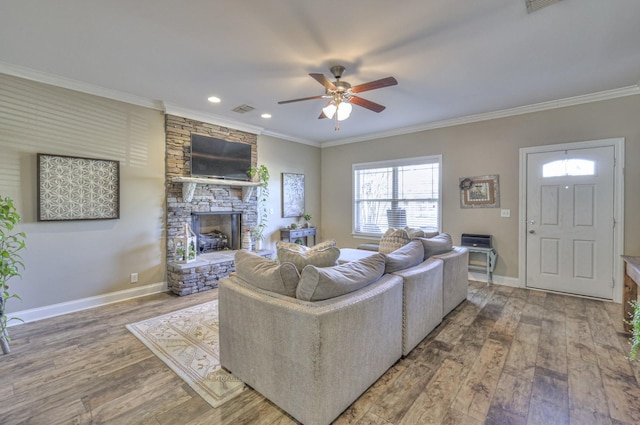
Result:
[452,59]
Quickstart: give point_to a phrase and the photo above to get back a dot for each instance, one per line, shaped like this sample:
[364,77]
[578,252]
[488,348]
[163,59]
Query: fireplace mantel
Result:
[189,186]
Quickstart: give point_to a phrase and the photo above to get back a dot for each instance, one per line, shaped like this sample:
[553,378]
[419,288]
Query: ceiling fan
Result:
[342,94]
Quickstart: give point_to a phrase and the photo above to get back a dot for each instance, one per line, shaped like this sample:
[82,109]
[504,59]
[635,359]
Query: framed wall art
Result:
[73,188]
[292,195]
[480,192]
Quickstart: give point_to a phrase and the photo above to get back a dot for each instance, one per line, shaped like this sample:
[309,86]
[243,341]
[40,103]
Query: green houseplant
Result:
[307,219]
[635,331]
[262,174]
[10,262]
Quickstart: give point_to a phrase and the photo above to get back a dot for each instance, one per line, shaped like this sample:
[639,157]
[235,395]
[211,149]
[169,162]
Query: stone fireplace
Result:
[224,207]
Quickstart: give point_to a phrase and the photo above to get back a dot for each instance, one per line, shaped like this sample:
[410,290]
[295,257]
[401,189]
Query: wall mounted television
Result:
[221,159]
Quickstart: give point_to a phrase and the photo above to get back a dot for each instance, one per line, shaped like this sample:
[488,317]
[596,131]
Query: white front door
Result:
[570,221]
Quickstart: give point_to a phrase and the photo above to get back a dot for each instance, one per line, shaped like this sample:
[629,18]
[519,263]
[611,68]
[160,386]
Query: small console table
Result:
[487,265]
[291,235]
[630,289]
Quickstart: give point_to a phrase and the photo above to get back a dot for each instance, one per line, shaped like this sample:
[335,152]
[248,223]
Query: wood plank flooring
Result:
[504,356]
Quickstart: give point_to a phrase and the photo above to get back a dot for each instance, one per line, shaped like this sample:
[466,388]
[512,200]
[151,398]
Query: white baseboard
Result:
[498,280]
[53,310]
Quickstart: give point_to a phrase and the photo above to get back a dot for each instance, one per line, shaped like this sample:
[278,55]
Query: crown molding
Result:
[537,107]
[291,138]
[68,83]
[172,109]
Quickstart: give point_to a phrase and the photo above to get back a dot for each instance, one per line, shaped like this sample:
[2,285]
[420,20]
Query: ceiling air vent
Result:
[533,5]
[243,109]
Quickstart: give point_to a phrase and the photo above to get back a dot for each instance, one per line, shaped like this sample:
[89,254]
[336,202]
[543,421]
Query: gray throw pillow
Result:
[321,283]
[325,257]
[407,256]
[436,245]
[265,274]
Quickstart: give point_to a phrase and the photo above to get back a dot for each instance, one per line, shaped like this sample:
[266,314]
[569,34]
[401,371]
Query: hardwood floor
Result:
[504,356]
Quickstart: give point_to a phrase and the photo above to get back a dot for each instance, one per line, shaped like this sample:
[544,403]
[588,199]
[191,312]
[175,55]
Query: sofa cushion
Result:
[404,257]
[301,256]
[437,244]
[321,283]
[265,274]
[393,239]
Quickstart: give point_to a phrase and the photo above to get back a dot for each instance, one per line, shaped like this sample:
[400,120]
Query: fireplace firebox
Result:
[217,230]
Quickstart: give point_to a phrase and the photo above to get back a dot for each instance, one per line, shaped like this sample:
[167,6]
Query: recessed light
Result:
[266,115]
[214,99]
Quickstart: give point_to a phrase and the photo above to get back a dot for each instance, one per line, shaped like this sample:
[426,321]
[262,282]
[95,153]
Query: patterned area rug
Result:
[187,341]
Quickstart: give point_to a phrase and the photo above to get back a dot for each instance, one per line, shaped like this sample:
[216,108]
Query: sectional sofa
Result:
[312,339]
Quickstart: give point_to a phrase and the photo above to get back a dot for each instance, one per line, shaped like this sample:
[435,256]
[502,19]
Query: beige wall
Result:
[489,147]
[282,156]
[72,260]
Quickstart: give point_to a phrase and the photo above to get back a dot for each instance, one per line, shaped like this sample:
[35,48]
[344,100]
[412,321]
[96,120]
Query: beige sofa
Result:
[314,358]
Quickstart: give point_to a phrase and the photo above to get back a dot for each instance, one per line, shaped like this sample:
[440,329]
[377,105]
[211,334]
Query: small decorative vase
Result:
[246,240]
[258,244]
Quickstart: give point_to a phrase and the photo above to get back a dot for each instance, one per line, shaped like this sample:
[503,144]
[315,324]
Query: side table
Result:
[487,265]
[291,235]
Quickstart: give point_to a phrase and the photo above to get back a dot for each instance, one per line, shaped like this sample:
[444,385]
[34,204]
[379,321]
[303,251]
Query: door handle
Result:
[532,231]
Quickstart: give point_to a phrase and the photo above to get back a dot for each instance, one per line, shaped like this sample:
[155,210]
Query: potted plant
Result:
[261,173]
[10,262]
[635,331]
[307,219]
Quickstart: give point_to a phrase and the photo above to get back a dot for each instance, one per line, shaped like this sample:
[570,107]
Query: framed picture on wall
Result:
[292,195]
[479,192]
[74,188]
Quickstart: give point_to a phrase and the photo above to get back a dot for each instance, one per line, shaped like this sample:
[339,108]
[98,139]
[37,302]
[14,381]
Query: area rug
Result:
[187,341]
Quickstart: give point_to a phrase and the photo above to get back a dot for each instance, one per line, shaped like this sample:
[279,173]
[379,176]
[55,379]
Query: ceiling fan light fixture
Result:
[344,110]
[330,109]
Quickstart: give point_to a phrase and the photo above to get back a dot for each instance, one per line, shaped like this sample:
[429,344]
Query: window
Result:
[569,167]
[396,193]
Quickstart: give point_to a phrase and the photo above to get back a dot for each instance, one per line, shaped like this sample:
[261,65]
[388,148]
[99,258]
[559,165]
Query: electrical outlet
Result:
[271,211]
[505,213]
[134,277]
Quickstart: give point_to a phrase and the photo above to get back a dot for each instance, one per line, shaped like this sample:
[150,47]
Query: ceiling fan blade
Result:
[324,81]
[372,85]
[375,107]
[282,102]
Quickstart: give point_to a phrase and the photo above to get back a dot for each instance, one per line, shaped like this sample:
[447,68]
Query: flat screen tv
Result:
[221,159]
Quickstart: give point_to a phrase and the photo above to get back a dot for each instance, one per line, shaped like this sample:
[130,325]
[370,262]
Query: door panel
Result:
[570,221]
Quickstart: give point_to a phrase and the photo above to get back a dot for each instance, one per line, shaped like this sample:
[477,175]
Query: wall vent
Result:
[533,5]
[243,109]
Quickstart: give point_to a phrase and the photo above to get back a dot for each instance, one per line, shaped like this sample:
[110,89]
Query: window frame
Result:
[429,159]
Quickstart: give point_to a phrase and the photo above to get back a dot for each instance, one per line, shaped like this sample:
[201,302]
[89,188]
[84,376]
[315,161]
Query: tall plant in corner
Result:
[635,331]
[10,262]
[262,174]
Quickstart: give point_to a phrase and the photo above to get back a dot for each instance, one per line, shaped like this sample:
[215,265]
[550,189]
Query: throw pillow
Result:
[321,283]
[301,257]
[404,257]
[414,232]
[301,248]
[265,274]
[393,239]
[437,245]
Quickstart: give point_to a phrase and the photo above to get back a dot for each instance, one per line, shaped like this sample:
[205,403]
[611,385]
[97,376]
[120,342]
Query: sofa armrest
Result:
[313,359]
[455,278]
